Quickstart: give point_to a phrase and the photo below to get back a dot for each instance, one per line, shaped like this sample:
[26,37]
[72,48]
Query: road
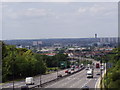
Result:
[44,78]
[78,80]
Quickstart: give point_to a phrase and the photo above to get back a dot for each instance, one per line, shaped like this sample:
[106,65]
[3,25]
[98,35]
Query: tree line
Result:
[112,77]
[22,62]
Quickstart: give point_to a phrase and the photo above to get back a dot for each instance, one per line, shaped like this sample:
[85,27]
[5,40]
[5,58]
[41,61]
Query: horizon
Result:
[59,38]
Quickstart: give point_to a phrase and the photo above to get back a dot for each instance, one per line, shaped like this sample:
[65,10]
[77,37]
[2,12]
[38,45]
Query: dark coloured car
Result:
[59,75]
[72,69]
[85,88]
[24,87]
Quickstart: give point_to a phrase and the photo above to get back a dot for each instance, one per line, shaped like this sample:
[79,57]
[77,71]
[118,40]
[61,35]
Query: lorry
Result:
[90,73]
[97,65]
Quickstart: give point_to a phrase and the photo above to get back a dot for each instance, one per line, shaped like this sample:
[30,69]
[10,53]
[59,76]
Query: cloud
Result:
[35,12]
[55,18]
[29,12]
[82,10]
[97,10]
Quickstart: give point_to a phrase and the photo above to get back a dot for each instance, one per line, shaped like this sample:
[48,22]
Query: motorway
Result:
[78,80]
[44,78]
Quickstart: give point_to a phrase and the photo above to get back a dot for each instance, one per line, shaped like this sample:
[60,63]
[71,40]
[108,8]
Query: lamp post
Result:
[13,57]
[101,70]
[57,69]
[13,74]
[40,77]
[40,80]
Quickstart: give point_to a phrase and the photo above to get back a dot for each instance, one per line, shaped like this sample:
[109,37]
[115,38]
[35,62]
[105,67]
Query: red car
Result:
[66,71]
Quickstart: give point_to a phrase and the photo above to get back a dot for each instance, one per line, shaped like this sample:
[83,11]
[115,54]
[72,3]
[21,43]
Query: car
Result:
[77,66]
[87,68]
[85,88]
[24,87]
[60,75]
[69,71]
[72,69]
[66,71]
[102,67]
[98,73]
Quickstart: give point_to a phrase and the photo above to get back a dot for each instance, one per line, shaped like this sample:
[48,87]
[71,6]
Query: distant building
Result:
[40,42]
[109,40]
[95,35]
[19,46]
[34,43]
[49,54]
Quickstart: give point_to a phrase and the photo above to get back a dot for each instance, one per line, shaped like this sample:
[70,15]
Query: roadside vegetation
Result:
[112,77]
[22,62]
[85,62]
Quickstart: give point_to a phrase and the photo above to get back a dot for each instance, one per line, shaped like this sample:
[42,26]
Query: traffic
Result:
[74,69]
[87,72]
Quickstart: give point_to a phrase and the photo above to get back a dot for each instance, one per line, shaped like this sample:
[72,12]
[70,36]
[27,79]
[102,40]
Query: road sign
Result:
[63,64]
[109,65]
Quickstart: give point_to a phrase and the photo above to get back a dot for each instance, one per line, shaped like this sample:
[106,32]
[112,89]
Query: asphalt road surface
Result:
[44,78]
[78,80]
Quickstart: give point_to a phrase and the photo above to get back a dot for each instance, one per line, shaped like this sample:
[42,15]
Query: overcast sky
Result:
[38,20]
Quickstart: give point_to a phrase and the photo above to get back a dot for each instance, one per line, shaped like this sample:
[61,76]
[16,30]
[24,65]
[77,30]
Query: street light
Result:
[101,72]
[12,49]
[13,74]
[40,80]
[57,69]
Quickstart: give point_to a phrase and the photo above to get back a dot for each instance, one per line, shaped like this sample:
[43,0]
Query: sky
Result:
[42,20]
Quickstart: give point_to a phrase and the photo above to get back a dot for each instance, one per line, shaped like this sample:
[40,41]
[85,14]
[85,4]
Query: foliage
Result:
[22,62]
[112,78]
[85,62]
[54,61]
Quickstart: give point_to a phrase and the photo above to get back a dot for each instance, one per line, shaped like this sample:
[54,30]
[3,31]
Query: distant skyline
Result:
[41,20]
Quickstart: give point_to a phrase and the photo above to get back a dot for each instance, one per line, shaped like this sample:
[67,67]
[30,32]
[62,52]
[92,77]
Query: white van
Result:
[90,73]
[29,81]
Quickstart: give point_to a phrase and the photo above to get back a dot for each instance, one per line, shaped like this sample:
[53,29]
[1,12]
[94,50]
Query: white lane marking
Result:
[66,79]
[51,85]
[77,82]
[19,83]
[71,79]
[86,83]
[7,86]
[97,82]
